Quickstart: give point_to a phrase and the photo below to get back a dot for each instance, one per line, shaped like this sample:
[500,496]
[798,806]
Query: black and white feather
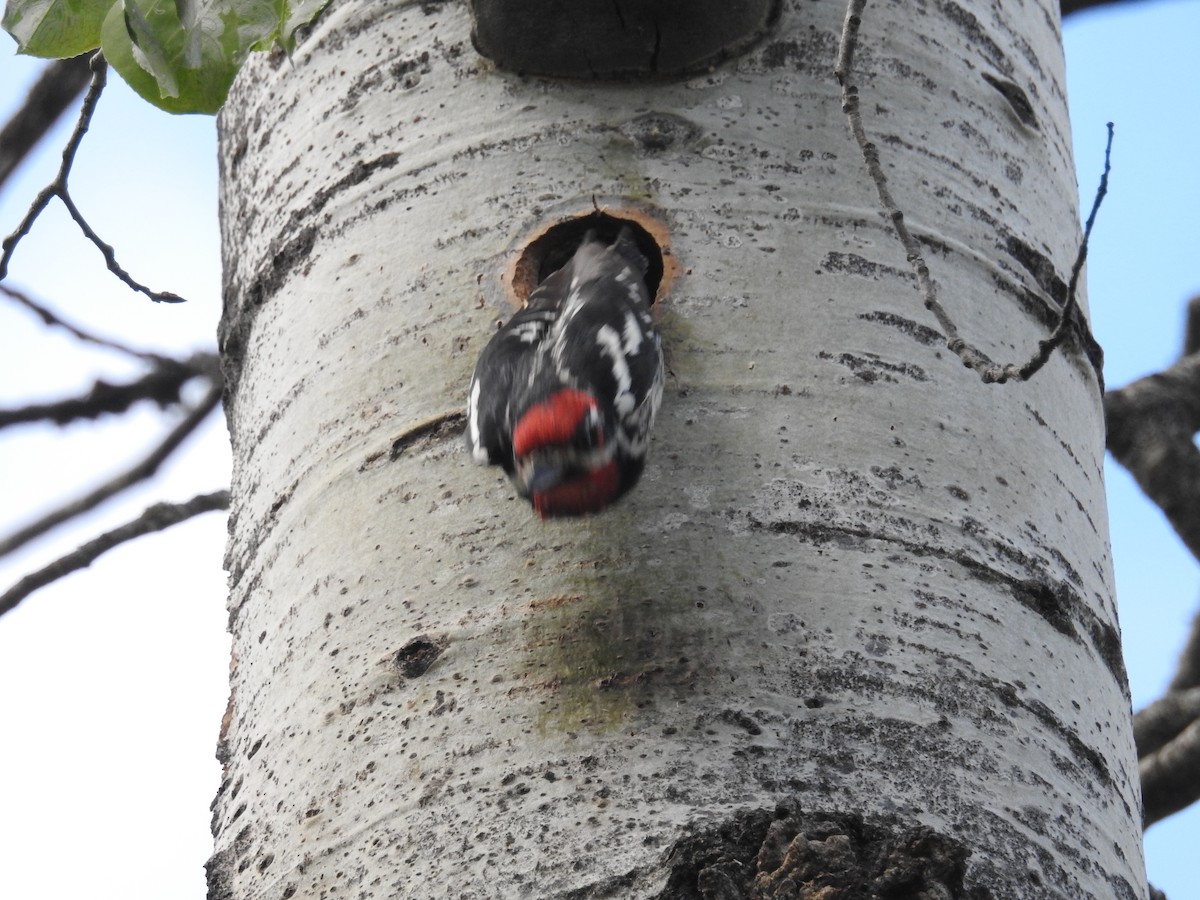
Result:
[586,327]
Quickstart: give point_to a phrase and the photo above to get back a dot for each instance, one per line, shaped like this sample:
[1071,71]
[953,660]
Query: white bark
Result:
[854,579]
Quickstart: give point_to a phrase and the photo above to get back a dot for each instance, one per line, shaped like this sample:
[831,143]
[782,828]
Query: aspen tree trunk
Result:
[856,622]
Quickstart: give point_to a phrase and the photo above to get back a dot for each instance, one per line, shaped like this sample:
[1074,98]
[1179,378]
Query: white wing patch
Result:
[529,332]
[634,435]
[478,452]
[610,342]
[558,347]
[632,334]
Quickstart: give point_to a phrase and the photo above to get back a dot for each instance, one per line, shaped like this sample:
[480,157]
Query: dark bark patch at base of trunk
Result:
[790,853]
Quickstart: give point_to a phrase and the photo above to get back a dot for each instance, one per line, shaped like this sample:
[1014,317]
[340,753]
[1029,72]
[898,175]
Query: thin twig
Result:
[110,255]
[1045,348]
[59,84]
[844,69]
[988,371]
[158,517]
[58,188]
[51,318]
[161,385]
[143,470]
[49,192]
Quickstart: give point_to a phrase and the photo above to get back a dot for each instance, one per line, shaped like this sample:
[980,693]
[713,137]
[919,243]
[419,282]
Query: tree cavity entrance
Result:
[554,247]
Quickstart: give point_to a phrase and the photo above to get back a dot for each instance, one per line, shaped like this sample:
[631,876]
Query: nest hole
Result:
[554,247]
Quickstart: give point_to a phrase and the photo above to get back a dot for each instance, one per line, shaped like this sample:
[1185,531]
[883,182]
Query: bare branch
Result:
[48,317]
[1163,720]
[110,255]
[1073,6]
[158,517]
[1171,777]
[60,83]
[1191,331]
[143,470]
[1151,424]
[971,356]
[1187,671]
[58,188]
[161,386]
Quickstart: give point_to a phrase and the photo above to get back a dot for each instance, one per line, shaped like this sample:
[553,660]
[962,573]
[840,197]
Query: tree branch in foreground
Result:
[1187,671]
[1171,776]
[158,517]
[1069,316]
[161,386]
[58,188]
[60,83]
[49,318]
[1151,426]
[141,471]
[1164,720]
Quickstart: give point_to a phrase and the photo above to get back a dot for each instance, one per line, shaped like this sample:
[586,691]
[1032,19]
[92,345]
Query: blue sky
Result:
[1137,66]
[116,677]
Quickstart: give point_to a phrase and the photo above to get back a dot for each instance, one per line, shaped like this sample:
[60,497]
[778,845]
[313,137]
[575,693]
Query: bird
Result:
[564,395]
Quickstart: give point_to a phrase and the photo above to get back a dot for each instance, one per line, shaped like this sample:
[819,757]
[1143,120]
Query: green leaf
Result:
[55,28]
[147,45]
[182,55]
[295,15]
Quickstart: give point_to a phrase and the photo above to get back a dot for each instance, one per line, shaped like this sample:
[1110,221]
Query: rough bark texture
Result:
[857,618]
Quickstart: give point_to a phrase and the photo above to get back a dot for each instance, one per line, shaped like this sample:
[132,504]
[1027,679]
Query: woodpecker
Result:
[563,396]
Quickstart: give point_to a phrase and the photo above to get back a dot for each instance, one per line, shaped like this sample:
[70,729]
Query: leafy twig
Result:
[141,471]
[158,517]
[1152,425]
[58,188]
